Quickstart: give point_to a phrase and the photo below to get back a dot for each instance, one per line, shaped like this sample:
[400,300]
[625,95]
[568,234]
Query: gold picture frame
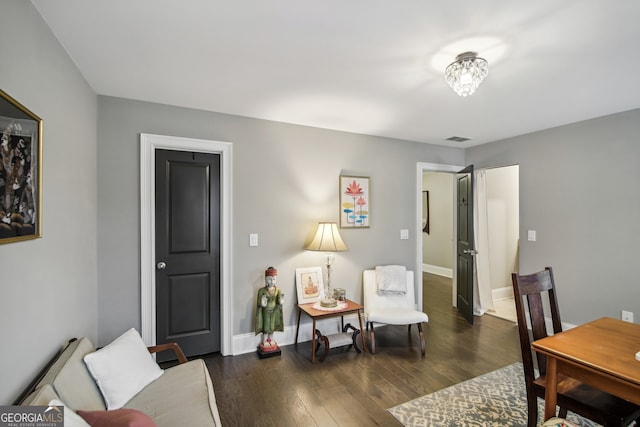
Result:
[20,172]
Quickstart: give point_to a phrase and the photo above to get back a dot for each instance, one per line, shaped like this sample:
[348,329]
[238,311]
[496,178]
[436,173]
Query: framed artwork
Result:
[425,211]
[309,284]
[20,172]
[355,202]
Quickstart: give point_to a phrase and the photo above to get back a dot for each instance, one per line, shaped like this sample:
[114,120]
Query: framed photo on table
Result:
[20,172]
[309,284]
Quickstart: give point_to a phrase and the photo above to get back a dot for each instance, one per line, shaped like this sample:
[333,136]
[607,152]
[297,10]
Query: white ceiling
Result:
[366,66]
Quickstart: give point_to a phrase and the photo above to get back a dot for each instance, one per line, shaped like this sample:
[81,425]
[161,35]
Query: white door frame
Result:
[148,144]
[432,167]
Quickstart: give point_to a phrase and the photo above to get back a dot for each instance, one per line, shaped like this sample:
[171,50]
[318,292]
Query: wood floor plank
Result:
[351,389]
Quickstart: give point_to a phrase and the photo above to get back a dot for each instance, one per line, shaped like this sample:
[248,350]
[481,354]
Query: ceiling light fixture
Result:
[465,74]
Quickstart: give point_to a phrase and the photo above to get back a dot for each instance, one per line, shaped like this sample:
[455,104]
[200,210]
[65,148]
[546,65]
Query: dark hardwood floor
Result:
[350,389]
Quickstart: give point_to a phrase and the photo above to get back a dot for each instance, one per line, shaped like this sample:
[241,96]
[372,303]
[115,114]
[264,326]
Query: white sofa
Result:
[182,395]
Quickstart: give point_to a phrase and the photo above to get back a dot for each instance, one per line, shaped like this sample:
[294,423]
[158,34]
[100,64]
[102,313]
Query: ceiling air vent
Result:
[457,139]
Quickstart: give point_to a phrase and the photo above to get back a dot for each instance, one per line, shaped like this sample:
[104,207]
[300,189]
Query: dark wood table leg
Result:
[551,390]
[364,340]
[313,342]
[298,327]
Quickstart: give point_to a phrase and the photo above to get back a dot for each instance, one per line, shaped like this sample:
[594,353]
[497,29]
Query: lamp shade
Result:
[327,239]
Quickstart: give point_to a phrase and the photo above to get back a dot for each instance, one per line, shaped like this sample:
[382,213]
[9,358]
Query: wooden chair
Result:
[573,395]
[391,309]
[173,346]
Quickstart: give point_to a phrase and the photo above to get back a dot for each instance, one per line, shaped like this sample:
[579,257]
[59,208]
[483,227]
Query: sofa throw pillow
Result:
[71,419]
[122,368]
[117,418]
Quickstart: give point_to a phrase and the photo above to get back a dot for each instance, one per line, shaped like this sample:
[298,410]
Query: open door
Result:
[465,248]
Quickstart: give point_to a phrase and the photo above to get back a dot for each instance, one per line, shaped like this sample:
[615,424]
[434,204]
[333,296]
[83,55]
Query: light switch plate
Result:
[531,235]
[253,240]
[404,234]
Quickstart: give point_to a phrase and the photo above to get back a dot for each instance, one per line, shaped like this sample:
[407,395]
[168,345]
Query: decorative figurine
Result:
[269,316]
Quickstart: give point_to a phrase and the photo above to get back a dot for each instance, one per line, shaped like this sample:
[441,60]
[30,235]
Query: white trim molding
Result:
[436,269]
[148,144]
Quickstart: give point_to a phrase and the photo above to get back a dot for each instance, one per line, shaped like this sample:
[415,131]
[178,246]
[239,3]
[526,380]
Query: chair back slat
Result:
[531,293]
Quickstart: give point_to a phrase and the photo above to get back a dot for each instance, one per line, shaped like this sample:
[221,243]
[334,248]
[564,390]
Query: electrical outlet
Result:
[627,316]
[404,234]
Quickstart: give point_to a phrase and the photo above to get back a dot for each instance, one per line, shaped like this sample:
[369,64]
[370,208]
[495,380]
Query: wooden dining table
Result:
[601,353]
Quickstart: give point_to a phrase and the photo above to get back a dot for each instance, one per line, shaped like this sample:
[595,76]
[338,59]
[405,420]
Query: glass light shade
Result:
[465,74]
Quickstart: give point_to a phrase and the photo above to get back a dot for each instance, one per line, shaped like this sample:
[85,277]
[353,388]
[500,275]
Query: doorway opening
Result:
[500,248]
[148,145]
[498,215]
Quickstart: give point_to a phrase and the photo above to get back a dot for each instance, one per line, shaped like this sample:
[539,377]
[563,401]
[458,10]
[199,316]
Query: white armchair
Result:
[395,307]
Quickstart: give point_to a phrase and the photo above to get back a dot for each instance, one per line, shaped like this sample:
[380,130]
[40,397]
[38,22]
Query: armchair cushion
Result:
[395,316]
[189,386]
[71,380]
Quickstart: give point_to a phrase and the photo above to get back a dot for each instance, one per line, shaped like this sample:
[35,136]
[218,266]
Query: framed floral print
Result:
[355,202]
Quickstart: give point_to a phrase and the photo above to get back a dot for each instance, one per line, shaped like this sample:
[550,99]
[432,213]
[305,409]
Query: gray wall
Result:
[285,180]
[578,190]
[48,285]
[503,224]
[437,246]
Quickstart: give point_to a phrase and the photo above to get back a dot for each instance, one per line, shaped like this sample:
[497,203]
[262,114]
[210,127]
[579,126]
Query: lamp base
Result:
[328,302]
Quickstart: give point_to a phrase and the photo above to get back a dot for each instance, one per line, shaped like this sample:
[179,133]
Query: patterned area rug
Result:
[497,398]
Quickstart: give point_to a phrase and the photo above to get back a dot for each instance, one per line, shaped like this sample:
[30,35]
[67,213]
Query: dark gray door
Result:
[465,247]
[188,251]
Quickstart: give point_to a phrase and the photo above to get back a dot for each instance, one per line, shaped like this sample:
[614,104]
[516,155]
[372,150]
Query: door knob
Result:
[470,252]
[161,265]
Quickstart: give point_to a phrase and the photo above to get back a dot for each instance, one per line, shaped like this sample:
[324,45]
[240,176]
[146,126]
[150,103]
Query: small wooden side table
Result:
[315,314]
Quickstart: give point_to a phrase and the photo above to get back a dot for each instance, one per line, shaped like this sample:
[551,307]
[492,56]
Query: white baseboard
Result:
[502,293]
[247,343]
[435,269]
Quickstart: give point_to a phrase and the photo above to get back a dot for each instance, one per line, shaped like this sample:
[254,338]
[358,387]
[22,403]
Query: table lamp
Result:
[327,239]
